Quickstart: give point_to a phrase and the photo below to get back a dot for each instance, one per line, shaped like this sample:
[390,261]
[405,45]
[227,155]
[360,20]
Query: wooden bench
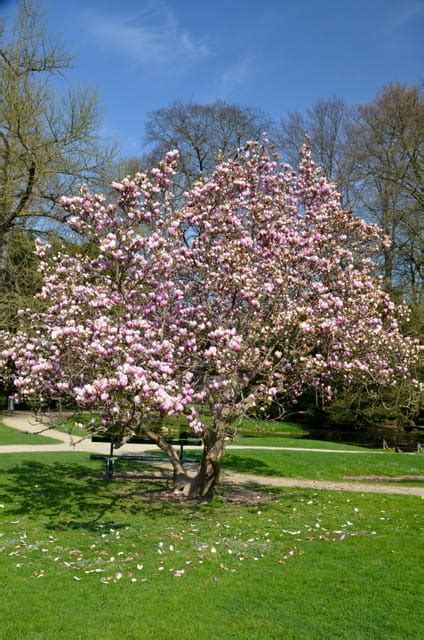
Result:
[115,442]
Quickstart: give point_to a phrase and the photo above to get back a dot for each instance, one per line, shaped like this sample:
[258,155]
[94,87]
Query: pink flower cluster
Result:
[259,286]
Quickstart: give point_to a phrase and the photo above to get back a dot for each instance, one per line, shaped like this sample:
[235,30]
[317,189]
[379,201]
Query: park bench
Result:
[115,442]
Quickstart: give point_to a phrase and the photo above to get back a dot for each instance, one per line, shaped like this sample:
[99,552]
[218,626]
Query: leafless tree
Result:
[202,133]
[47,144]
[387,152]
[325,127]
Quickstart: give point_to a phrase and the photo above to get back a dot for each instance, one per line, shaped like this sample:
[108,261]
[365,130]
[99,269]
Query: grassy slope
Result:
[70,425]
[353,576]
[270,427]
[287,441]
[13,436]
[328,466]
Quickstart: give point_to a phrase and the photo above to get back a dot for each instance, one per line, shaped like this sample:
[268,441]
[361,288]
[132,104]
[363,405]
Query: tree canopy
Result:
[260,286]
[202,134]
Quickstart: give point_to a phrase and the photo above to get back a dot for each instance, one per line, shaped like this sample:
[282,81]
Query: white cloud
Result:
[403,14]
[235,75]
[150,37]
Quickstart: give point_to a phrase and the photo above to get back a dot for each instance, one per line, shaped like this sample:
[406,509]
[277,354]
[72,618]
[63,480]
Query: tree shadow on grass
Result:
[57,491]
[75,496]
[81,497]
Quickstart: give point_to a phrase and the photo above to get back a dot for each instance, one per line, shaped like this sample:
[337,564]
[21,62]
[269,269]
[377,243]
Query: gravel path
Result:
[27,423]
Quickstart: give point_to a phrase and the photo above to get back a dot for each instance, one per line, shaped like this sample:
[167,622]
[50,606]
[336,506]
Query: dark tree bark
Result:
[202,482]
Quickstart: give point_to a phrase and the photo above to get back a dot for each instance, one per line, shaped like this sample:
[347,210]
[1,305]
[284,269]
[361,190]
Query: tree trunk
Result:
[388,269]
[202,484]
[3,256]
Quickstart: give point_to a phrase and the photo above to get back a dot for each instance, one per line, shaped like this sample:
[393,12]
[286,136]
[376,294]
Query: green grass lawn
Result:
[255,427]
[69,425]
[13,436]
[85,558]
[323,466]
[286,441]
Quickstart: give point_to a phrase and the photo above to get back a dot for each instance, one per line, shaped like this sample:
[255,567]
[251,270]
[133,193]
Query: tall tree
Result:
[202,134]
[47,144]
[274,295]
[387,153]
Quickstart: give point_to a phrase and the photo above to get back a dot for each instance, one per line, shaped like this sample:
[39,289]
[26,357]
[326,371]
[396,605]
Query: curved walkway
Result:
[28,423]
[329,485]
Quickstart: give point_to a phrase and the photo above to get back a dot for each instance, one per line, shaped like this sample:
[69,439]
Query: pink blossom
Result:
[274,293]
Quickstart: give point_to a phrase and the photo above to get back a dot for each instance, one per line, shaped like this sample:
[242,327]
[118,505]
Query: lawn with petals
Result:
[86,558]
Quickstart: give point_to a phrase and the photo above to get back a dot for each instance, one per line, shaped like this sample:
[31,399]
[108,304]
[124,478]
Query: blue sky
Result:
[280,55]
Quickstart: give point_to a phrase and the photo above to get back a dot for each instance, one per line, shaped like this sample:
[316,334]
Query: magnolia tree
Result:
[258,287]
